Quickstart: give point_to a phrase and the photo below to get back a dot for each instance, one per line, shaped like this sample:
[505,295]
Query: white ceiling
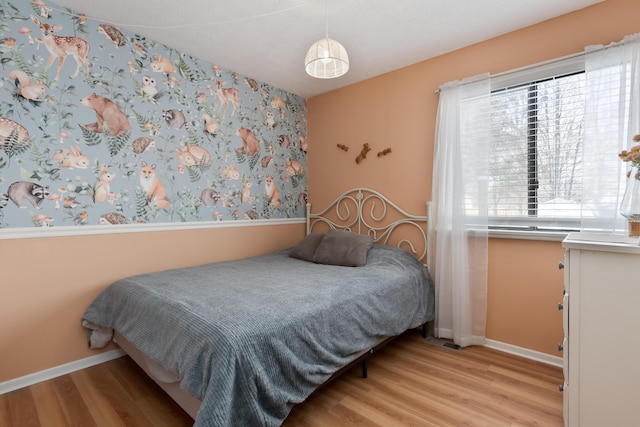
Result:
[268,40]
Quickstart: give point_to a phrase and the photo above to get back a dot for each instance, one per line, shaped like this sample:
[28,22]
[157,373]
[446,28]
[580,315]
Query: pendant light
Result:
[326,58]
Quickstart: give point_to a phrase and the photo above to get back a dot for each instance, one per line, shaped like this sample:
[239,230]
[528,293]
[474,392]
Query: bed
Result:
[231,352]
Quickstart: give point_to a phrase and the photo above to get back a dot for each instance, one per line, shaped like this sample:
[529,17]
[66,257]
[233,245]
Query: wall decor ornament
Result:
[365,150]
[363,153]
[101,126]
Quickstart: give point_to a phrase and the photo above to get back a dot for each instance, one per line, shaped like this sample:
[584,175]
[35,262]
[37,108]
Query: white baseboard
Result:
[525,352]
[67,368]
[57,371]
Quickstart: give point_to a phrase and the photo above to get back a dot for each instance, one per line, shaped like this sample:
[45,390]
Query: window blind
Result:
[535,177]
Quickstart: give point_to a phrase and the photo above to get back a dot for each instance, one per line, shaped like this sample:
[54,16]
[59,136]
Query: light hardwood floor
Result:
[410,383]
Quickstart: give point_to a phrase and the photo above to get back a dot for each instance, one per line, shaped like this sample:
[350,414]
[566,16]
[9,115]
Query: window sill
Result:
[551,236]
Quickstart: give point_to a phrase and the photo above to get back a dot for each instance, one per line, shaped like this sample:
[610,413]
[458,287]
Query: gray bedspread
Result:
[251,338]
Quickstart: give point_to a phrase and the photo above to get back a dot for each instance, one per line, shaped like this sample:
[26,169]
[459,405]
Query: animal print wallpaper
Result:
[100,126]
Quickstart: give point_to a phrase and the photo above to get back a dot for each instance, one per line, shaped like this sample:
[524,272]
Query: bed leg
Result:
[427,329]
[364,368]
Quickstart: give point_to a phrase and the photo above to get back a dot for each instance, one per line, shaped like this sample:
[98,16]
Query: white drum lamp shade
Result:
[326,59]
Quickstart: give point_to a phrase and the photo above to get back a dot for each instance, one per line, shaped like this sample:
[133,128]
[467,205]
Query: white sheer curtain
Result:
[460,178]
[460,210]
[612,118]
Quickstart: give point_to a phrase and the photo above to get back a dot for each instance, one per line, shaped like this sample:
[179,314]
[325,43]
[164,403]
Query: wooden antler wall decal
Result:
[365,150]
[363,153]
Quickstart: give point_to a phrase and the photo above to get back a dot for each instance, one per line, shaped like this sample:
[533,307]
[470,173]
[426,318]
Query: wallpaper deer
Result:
[100,126]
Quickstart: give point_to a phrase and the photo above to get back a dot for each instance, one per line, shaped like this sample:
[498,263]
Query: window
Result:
[539,146]
[535,170]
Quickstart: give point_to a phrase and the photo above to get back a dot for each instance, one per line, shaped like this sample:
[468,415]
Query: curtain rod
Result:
[528,67]
[589,49]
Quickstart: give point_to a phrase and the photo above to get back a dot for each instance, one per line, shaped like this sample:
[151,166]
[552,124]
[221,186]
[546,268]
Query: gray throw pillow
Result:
[343,248]
[307,247]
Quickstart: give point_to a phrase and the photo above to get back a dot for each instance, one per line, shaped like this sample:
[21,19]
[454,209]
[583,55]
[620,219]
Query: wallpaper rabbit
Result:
[99,126]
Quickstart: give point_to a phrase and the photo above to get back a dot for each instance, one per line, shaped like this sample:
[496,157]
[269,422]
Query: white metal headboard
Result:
[349,207]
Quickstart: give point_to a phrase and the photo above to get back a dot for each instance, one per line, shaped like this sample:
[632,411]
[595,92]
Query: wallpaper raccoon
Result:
[102,126]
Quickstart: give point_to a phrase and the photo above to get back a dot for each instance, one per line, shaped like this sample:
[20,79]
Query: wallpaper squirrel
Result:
[99,126]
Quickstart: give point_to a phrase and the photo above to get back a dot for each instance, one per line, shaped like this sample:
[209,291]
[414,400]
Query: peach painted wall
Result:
[398,110]
[525,287]
[46,283]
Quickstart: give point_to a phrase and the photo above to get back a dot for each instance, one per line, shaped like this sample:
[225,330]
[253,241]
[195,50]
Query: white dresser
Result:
[601,349]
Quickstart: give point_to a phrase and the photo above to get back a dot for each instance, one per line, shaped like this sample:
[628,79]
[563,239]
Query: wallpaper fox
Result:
[99,126]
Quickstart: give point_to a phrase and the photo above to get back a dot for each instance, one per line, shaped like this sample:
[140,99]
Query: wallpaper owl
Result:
[100,126]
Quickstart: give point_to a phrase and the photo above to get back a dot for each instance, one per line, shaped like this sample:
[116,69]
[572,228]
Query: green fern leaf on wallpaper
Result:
[137,86]
[13,145]
[142,214]
[293,155]
[38,155]
[42,76]
[25,103]
[241,158]
[20,60]
[185,70]
[45,167]
[45,121]
[291,106]
[116,143]
[139,63]
[47,172]
[194,173]
[194,137]
[265,207]
[91,191]
[17,16]
[253,161]
[91,138]
[290,205]
[188,206]
[12,150]
[142,120]
[146,124]
[36,9]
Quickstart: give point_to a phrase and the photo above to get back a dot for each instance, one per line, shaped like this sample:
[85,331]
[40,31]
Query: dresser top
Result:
[602,242]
